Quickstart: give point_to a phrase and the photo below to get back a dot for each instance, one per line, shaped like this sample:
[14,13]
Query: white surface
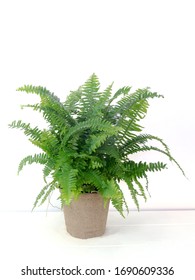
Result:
[161,238]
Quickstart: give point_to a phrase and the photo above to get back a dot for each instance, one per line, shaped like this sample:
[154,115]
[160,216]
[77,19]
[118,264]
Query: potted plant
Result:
[87,148]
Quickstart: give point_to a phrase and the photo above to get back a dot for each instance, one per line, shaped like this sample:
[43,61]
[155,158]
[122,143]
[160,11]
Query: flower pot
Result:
[87,216]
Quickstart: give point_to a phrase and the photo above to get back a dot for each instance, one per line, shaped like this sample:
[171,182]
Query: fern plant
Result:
[89,141]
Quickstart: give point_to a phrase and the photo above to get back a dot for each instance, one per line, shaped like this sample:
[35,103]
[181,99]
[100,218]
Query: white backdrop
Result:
[59,44]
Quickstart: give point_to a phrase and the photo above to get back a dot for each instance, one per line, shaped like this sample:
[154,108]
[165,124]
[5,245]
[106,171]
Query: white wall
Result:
[59,44]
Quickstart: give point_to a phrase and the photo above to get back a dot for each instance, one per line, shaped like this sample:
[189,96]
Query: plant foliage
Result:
[89,141]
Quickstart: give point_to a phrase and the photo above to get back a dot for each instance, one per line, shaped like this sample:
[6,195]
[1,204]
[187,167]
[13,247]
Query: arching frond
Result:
[34,133]
[37,158]
[122,91]
[49,101]
[44,193]
[94,124]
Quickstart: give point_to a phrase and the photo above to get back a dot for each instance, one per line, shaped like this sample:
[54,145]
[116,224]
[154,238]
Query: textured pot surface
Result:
[87,216]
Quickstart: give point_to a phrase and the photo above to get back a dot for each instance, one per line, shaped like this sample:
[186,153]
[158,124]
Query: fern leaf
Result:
[41,194]
[150,148]
[94,124]
[122,91]
[147,183]
[140,188]
[138,170]
[48,143]
[37,158]
[141,139]
[47,193]
[96,141]
[42,92]
[72,101]
[49,101]
[91,86]
[95,163]
[90,97]
[34,133]
[49,166]
[35,107]
[109,150]
[66,176]
[95,178]
[116,195]
[105,95]
[131,109]
[128,102]
[132,191]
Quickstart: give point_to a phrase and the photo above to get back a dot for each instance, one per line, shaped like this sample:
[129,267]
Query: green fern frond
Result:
[66,176]
[37,158]
[55,118]
[133,108]
[97,140]
[34,133]
[47,142]
[132,191]
[116,195]
[42,194]
[122,91]
[138,170]
[48,100]
[104,97]
[91,86]
[128,132]
[126,103]
[94,125]
[141,188]
[94,178]
[110,150]
[95,162]
[46,195]
[150,148]
[72,101]
[42,92]
[89,98]
[35,107]
[48,168]
[141,139]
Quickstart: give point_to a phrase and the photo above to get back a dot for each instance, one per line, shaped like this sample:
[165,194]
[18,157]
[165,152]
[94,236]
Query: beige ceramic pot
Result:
[87,216]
